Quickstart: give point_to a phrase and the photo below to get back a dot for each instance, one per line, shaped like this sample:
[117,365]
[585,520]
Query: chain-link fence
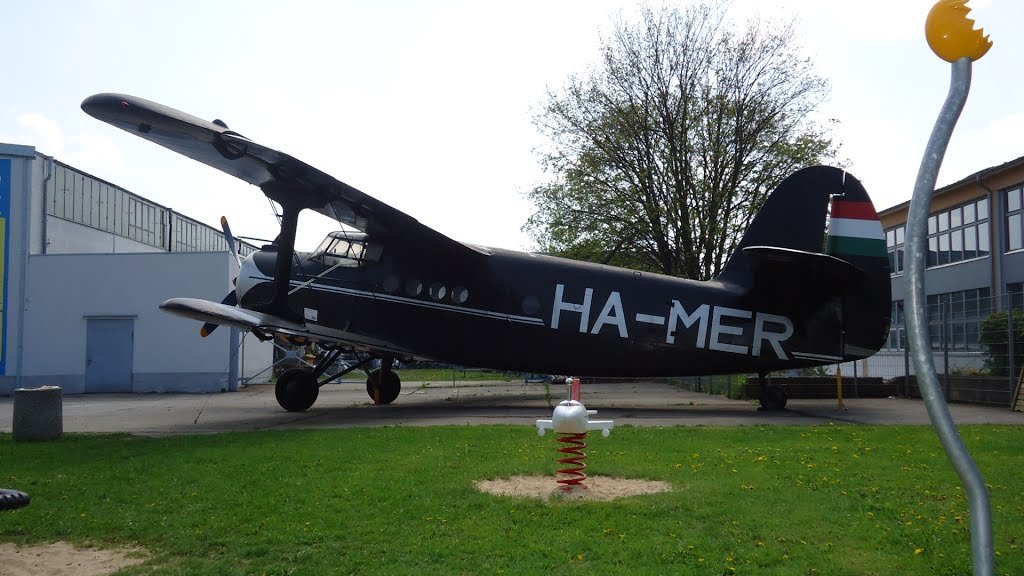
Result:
[729,385]
[977,343]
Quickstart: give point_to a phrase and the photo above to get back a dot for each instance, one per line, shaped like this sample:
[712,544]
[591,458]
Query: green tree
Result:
[660,155]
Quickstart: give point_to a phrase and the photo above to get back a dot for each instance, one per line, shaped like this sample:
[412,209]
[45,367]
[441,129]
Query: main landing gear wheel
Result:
[383,386]
[296,389]
[773,398]
[12,499]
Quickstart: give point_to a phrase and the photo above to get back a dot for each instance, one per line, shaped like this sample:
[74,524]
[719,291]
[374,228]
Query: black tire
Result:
[296,389]
[773,398]
[12,499]
[386,390]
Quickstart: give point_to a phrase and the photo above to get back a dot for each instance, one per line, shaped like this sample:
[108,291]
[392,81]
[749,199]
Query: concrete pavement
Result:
[447,403]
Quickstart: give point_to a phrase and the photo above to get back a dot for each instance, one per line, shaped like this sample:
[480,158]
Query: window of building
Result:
[954,318]
[78,197]
[1015,295]
[954,235]
[1014,219]
[960,233]
[895,238]
[897,329]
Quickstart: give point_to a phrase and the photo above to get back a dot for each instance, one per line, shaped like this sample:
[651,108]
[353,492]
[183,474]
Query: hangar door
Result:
[108,354]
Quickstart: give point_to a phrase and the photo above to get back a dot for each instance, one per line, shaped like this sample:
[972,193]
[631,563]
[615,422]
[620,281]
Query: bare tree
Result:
[661,155]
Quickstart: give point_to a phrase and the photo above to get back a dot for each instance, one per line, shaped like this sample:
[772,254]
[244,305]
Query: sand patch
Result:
[598,488]
[63,559]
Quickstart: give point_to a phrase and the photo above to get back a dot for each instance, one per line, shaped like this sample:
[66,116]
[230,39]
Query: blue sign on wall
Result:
[5,211]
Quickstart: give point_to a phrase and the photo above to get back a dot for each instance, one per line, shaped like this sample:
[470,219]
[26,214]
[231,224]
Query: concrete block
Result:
[38,414]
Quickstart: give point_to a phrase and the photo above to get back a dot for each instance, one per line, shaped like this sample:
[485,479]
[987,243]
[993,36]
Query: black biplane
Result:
[792,295]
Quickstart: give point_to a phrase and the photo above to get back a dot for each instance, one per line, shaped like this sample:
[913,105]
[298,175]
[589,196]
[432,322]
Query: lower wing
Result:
[261,323]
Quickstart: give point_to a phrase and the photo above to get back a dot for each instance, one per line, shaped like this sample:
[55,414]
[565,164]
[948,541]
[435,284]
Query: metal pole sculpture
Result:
[571,421]
[951,35]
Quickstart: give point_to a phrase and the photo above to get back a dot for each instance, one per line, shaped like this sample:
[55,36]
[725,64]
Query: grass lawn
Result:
[453,374]
[830,500]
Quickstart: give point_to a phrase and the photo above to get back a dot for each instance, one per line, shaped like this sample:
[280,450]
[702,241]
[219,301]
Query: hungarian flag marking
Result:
[854,229]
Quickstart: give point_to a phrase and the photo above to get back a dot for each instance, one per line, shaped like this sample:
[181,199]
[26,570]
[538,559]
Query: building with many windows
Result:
[85,265]
[975,265]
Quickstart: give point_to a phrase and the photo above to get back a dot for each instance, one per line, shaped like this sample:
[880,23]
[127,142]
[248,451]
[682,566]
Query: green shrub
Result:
[994,337]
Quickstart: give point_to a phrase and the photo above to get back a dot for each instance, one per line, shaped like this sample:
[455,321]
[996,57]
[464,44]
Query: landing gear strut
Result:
[298,388]
[772,398]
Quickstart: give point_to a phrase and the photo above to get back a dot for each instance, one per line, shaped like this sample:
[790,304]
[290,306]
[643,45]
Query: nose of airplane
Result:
[248,276]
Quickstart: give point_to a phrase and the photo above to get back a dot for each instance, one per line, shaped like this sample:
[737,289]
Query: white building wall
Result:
[168,353]
[76,272]
[256,358]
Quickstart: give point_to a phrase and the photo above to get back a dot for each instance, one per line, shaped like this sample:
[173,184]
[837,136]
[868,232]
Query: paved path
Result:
[434,404]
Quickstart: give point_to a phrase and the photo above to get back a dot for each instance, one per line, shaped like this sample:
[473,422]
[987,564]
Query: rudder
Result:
[855,235]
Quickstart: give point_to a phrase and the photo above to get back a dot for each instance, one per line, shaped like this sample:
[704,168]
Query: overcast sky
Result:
[427,105]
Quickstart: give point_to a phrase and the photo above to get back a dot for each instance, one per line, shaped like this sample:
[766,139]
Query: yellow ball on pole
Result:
[951,34]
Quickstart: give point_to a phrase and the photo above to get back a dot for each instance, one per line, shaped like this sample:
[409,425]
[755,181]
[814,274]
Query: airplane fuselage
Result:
[519,311]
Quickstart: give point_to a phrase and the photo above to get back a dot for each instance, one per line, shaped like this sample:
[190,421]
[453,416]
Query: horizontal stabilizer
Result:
[798,267]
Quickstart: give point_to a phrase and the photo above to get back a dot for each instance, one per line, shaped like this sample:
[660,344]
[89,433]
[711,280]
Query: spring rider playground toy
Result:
[571,421]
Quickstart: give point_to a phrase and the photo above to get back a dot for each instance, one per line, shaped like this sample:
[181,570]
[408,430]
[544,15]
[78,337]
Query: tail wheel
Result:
[296,389]
[383,386]
[773,398]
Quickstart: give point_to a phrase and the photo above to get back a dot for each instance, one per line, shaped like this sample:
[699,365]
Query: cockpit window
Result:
[347,249]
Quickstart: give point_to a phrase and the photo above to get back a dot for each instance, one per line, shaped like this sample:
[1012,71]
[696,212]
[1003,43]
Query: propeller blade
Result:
[232,246]
[231,300]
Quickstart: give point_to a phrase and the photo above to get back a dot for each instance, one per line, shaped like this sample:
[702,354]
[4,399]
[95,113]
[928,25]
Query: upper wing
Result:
[280,176]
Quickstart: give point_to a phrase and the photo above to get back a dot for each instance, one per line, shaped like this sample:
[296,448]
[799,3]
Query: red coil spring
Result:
[575,447]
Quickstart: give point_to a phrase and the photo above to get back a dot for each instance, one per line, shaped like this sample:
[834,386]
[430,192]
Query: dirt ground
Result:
[63,559]
[596,487]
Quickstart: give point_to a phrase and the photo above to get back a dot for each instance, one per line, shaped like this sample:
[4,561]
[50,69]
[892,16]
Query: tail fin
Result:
[786,253]
[792,217]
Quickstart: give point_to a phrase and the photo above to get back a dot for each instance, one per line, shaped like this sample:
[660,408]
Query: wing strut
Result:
[290,209]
